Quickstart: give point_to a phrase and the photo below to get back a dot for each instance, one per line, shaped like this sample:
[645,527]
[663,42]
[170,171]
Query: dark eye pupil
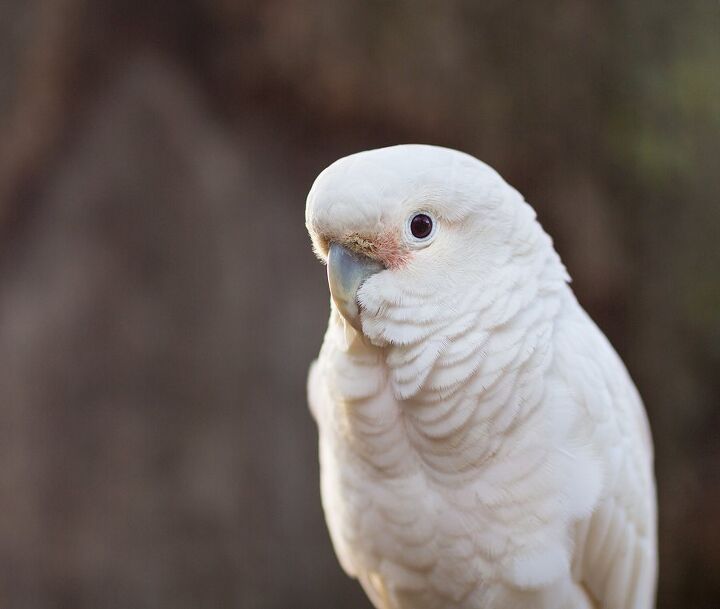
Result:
[421,226]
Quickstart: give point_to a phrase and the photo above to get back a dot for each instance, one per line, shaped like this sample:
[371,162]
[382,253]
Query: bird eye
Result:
[421,226]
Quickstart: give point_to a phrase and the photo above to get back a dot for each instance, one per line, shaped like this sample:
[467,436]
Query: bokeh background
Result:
[160,304]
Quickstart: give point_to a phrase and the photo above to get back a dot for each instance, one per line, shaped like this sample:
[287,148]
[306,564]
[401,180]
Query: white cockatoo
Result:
[482,446]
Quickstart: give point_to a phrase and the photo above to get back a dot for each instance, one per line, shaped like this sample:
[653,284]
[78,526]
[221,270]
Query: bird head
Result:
[420,240]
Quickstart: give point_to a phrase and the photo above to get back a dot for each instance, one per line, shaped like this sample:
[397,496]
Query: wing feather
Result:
[615,555]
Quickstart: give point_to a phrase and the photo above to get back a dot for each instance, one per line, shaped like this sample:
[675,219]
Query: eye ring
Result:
[420,227]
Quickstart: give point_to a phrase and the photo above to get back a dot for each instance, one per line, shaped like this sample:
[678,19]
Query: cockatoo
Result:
[482,445]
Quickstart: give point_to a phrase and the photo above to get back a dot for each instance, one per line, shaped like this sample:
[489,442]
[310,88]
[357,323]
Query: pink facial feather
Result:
[386,248]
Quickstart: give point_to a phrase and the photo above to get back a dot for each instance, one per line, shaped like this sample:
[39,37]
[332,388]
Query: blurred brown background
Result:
[159,302]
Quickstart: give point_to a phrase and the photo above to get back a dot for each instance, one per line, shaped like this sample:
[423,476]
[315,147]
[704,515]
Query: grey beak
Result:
[346,273]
